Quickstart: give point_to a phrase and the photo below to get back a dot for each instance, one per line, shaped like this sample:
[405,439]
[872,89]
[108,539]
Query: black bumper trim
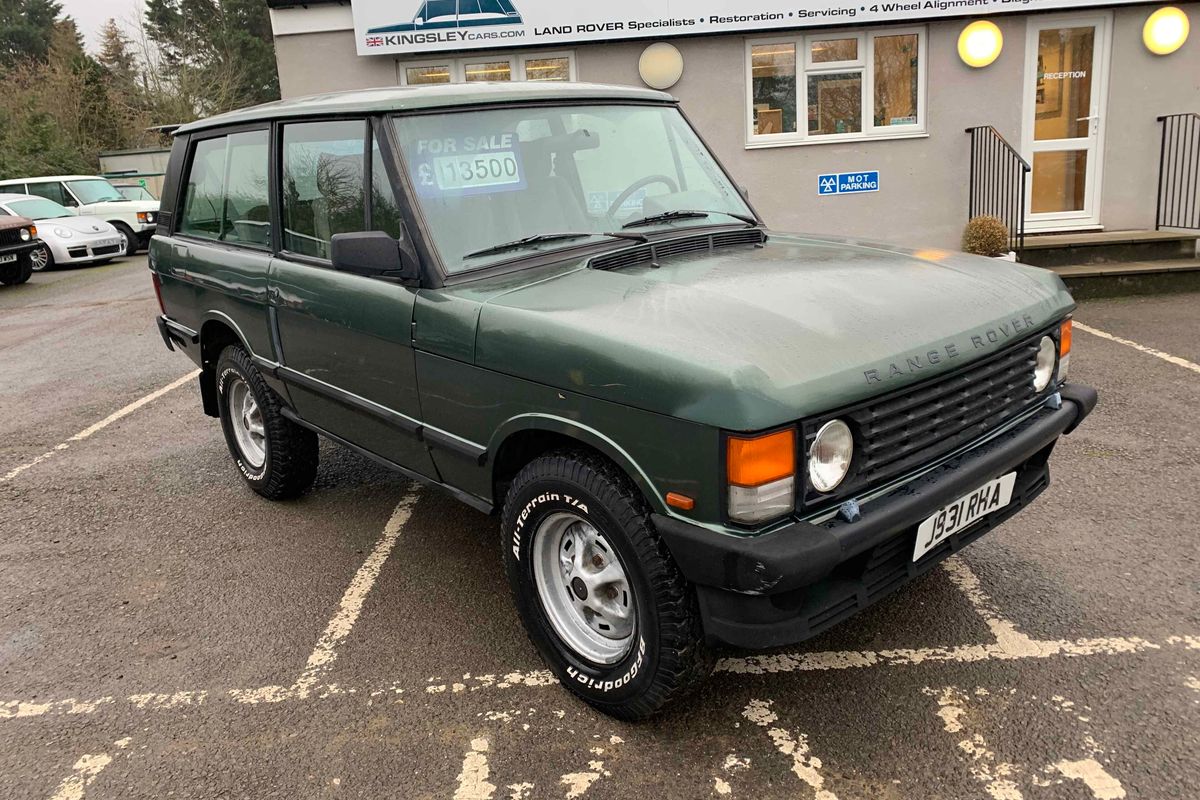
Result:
[744,568]
[171,332]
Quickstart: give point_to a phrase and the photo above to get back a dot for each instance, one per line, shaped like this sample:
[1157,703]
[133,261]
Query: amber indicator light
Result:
[753,462]
[680,501]
[1064,339]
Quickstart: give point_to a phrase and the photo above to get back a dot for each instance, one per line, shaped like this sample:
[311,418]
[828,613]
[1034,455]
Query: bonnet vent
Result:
[654,253]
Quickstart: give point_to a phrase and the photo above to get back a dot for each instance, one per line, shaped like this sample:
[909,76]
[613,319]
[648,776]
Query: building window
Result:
[533,67]
[833,87]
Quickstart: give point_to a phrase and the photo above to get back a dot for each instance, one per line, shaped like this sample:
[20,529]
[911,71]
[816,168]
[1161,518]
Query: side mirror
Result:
[374,254]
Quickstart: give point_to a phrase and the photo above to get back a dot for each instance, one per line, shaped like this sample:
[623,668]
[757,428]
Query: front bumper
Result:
[792,583]
[78,250]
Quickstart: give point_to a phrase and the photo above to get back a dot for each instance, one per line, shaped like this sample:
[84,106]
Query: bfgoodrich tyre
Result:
[597,589]
[275,456]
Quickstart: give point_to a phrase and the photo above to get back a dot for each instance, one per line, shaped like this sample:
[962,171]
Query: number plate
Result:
[993,495]
[8,258]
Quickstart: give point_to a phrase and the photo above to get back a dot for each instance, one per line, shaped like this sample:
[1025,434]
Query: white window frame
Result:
[864,65]
[458,65]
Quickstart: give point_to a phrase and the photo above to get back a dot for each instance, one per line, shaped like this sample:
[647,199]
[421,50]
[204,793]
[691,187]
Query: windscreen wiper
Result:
[538,238]
[668,216]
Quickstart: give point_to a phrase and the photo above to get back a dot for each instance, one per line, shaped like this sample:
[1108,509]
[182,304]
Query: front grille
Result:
[11,236]
[899,432]
[77,252]
[653,253]
[107,250]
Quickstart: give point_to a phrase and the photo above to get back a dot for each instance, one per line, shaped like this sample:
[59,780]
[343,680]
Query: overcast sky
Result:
[92,14]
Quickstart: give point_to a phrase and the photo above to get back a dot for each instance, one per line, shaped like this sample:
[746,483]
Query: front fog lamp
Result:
[1043,368]
[830,456]
[25,235]
[761,473]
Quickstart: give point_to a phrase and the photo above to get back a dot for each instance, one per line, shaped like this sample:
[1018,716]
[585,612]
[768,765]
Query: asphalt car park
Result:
[167,632]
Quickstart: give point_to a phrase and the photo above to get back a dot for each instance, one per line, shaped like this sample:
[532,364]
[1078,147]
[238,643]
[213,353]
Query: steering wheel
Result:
[649,180]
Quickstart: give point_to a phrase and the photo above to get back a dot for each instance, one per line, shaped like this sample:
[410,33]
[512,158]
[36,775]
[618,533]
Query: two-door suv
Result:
[552,301]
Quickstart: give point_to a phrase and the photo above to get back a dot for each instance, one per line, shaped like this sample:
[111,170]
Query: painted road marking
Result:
[83,773]
[99,426]
[1176,360]
[752,665]
[1003,780]
[806,767]
[473,779]
[342,623]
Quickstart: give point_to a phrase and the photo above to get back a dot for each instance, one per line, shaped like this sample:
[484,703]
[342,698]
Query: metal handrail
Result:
[997,182]
[1177,201]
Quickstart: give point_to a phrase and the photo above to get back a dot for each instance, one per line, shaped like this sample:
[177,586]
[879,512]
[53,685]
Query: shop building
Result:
[849,119]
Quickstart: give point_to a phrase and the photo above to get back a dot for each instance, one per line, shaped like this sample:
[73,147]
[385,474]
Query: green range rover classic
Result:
[552,301]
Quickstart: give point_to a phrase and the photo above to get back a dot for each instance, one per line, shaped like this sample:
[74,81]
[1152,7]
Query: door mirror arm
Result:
[375,254]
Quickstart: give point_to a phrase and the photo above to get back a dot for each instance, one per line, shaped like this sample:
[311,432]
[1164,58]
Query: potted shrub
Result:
[986,235]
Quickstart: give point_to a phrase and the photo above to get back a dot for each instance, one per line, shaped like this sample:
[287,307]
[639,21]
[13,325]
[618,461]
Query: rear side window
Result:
[52,190]
[226,196]
[323,184]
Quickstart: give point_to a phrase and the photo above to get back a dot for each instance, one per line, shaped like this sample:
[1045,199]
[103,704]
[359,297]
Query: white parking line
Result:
[83,773]
[805,766]
[1176,360]
[99,426]
[324,654]
[342,623]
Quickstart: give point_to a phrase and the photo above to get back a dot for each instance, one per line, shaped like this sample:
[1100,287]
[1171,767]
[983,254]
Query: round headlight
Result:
[63,233]
[25,235]
[829,458]
[1043,369]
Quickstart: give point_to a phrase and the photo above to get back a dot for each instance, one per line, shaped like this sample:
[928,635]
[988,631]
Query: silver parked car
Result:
[65,237]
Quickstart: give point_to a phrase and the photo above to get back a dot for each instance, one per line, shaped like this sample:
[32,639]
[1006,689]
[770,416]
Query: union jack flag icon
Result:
[374,41]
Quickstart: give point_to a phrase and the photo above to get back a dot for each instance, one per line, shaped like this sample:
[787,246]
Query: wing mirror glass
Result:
[374,254]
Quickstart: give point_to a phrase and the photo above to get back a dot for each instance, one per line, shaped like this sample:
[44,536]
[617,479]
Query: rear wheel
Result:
[596,588]
[129,241]
[41,258]
[276,457]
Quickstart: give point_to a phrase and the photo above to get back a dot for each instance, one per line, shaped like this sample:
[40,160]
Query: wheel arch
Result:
[523,439]
[216,333]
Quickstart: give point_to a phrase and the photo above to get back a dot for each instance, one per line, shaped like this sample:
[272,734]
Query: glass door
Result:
[1065,89]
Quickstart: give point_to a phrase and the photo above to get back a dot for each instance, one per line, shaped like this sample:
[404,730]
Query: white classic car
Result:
[66,238]
[93,196]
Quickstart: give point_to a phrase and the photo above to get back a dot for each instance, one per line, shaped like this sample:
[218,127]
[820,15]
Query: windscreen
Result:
[38,209]
[95,190]
[489,177]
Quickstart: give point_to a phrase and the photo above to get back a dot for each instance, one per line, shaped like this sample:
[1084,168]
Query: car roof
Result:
[415,98]
[53,178]
[10,197]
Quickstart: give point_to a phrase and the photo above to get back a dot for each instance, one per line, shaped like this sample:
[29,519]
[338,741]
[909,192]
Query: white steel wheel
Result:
[583,588]
[247,420]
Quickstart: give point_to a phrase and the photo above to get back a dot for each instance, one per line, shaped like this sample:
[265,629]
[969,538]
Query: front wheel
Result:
[596,588]
[276,457]
[129,240]
[41,258]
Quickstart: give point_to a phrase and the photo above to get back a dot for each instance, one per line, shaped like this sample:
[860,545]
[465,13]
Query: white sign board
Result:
[428,26]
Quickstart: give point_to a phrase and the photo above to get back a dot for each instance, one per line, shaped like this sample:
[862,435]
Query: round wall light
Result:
[980,43]
[1165,30]
[661,65]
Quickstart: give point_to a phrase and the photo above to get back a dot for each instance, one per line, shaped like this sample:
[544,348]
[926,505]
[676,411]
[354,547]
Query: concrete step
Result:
[1108,247]
[1128,268]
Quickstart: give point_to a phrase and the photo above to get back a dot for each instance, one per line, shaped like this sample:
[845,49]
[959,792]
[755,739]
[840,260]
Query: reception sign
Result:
[428,26]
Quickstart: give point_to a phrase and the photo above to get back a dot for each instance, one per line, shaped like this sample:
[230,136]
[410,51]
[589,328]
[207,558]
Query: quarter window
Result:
[836,87]
[226,197]
[323,184]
